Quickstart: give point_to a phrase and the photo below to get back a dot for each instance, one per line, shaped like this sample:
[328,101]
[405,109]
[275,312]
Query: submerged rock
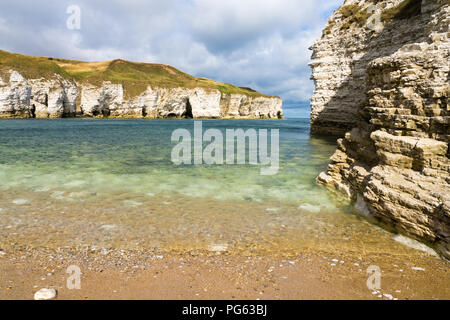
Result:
[414,244]
[418,269]
[310,208]
[21,201]
[218,248]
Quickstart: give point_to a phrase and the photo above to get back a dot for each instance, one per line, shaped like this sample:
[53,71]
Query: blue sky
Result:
[253,43]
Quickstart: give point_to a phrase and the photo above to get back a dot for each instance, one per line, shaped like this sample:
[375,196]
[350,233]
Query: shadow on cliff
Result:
[381,44]
[406,28]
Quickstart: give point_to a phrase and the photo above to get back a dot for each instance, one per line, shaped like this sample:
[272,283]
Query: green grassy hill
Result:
[135,77]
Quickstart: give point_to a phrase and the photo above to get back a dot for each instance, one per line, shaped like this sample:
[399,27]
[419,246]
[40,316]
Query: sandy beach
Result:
[204,276]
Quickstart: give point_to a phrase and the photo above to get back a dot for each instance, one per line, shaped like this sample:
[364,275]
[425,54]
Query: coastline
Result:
[144,118]
[139,181]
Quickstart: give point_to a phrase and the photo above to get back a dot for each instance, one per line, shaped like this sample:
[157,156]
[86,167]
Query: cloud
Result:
[227,25]
[261,44]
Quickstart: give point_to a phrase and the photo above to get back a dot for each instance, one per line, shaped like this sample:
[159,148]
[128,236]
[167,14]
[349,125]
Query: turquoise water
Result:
[133,156]
[111,183]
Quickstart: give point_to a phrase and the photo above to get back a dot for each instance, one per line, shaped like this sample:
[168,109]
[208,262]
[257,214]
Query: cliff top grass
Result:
[29,67]
[135,77]
[352,14]
[355,15]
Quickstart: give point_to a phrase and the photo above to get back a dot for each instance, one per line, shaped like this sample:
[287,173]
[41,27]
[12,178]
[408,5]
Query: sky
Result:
[252,43]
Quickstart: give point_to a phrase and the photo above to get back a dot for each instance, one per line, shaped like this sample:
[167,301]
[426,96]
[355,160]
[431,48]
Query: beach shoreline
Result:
[307,275]
[103,196]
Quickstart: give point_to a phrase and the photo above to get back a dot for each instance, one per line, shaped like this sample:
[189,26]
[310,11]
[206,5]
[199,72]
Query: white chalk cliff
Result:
[385,90]
[58,94]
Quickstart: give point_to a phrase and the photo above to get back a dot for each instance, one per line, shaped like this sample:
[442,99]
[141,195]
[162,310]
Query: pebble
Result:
[59,195]
[42,189]
[310,208]
[333,264]
[132,203]
[45,294]
[418,269]
[335,260]
[108,227]
[218,248]
[21,201]
[387,295]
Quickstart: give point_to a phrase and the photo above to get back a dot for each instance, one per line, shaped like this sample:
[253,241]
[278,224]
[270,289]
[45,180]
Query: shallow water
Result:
[111,184]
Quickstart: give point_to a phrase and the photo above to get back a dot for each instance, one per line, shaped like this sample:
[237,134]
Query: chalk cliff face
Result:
[21,98]
[388,87]
[55,88]
[176,103]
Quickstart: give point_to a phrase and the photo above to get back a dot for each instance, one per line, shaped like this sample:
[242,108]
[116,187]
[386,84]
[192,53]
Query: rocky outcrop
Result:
[58,94]
[15,95]
[52,98]
[176,103]
[389,87]
[40,98]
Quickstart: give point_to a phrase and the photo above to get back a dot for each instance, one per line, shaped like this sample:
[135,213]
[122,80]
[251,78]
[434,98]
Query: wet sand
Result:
[204,275]
[162,250]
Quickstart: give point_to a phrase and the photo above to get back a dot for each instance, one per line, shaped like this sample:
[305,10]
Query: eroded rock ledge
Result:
[388,88]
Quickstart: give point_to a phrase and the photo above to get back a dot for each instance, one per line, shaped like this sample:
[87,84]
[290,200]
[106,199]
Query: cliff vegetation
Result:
[133,76]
